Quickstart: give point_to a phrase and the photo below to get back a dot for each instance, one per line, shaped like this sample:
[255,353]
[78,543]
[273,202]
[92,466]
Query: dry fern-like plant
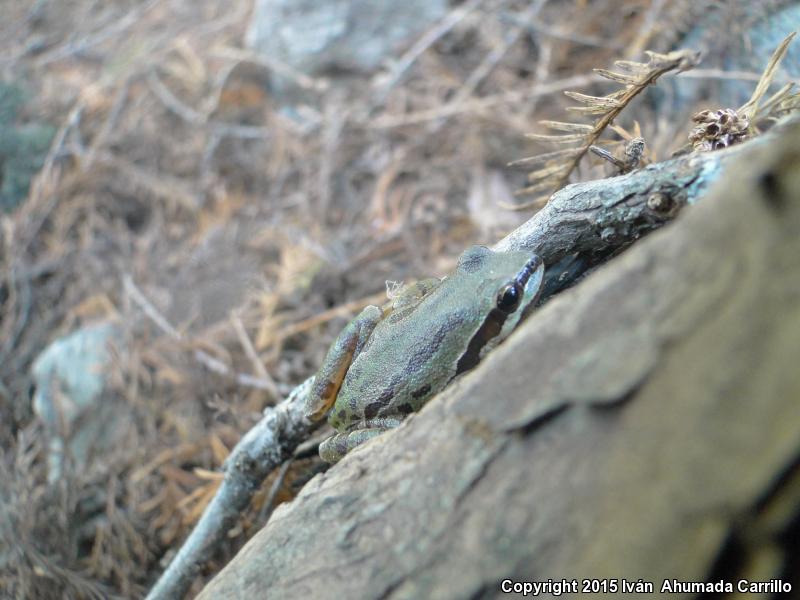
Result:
[782,101]
[554,168]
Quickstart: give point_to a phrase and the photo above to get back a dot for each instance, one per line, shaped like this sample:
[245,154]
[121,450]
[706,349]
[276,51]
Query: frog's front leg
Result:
[336,446]
[330,375]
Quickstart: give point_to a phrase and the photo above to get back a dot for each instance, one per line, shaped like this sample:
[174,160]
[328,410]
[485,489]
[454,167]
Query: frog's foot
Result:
[336,446]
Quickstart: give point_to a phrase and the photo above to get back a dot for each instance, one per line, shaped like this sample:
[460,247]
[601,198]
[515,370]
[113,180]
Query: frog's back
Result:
[405,362]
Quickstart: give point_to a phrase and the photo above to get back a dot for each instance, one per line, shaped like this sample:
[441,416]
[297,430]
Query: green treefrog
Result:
[390,360]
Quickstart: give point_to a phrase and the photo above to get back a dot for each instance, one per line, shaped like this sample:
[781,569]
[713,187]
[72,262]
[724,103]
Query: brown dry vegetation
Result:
[233,241]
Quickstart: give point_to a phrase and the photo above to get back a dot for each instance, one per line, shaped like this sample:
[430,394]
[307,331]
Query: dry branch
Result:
[265,447]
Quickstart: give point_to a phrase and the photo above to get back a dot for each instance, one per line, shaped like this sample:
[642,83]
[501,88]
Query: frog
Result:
[389,361]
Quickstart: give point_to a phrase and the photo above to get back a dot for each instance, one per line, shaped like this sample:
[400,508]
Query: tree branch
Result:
[271,442]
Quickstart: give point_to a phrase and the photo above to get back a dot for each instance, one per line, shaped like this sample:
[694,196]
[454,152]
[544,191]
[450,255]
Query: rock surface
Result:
[338,35]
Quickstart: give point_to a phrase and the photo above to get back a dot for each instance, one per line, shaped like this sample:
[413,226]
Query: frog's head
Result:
[506,286]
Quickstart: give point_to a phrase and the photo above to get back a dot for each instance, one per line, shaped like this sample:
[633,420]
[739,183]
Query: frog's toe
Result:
[335,447]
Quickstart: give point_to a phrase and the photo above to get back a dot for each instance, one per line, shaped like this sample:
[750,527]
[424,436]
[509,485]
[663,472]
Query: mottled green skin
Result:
[395,359]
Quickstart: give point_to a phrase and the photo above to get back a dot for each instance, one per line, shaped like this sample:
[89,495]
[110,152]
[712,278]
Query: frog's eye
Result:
[509,296]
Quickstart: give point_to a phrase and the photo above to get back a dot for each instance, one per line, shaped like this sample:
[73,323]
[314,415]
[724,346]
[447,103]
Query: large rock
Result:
[338,35]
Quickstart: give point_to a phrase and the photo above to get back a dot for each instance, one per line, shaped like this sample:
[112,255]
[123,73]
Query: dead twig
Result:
[496,54]
[269,501]
[553,31]
[213,364]
[647,29]
[751,108]
[220,368]
[343,310]
[149,309]
[266,446]
[252,355]
[302,80]
[114,29]
[194,117]
[476,105]
[423,43]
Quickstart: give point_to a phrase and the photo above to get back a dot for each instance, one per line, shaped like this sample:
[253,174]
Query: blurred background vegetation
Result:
[196,196]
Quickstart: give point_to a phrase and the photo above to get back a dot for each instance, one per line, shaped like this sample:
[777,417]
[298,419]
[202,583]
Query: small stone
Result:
[70,376]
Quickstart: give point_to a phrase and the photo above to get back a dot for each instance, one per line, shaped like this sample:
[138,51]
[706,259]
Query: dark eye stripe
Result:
[491,328]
